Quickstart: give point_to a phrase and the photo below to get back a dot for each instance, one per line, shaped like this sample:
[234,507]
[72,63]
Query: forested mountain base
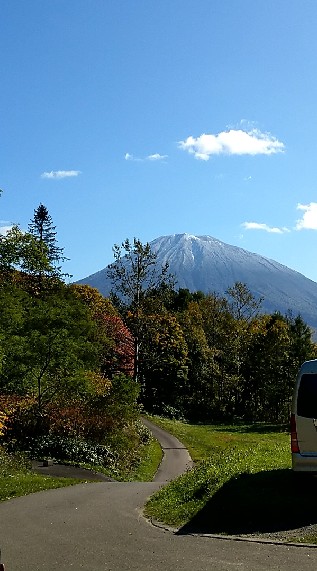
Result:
[206,357]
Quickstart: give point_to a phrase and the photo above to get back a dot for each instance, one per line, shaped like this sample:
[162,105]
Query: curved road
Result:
[100,527]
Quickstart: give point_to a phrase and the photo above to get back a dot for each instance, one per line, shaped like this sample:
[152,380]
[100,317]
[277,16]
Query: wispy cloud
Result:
[265,227]
[232,142]
[60,174]
[154,157]
[309,218]
[129,157]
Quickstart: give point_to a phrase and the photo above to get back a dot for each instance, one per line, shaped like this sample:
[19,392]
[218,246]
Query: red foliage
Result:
[118,349]
[79,419]
[119,357]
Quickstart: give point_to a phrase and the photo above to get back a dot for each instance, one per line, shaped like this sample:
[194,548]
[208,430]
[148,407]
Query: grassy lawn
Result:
[241,484]
[16,478]
[21,484]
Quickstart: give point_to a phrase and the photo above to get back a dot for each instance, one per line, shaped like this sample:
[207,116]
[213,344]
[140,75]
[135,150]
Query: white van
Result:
[304,419]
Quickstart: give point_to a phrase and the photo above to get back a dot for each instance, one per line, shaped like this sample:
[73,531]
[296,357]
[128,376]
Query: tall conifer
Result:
[50,255]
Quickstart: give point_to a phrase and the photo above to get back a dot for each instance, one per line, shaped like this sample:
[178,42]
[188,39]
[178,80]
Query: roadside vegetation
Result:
[17,479]
[241,484]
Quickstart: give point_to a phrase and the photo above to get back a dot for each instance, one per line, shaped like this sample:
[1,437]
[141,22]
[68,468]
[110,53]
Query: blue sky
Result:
[142,118]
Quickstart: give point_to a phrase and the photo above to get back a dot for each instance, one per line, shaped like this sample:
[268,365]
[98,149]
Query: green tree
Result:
[42,229]
[134,274]
[163,363]
[242,303]
[265,392]
[14,304]
[302,346]
[200,400]
[49,345]
[244,309]
[20,253]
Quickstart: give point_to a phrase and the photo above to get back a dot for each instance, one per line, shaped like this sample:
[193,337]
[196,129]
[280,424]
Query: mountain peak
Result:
[205,263]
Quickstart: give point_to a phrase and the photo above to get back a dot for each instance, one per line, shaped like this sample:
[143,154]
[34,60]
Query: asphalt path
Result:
[100,527]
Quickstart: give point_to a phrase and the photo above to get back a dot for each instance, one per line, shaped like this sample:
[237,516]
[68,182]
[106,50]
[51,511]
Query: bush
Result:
[23,424]
[100,428]
[143,432]
[72,450]
[12,463]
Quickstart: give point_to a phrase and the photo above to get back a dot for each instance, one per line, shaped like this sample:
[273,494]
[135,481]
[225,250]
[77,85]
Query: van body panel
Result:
[304,463]
[306,436]
[304,409]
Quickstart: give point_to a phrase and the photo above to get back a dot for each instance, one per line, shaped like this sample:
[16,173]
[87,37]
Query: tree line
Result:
[206,356]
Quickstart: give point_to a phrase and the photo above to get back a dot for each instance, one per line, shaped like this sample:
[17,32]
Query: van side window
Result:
[307,396]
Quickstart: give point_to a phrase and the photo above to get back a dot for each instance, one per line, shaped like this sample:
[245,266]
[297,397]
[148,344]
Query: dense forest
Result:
[76,369]
[206,357]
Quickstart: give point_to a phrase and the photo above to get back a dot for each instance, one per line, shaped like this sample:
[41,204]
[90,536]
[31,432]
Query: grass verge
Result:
[16,478]
[241,484]
[146,468]
[21,484]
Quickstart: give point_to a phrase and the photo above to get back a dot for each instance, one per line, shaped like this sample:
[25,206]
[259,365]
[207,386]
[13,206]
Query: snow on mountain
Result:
[209,265]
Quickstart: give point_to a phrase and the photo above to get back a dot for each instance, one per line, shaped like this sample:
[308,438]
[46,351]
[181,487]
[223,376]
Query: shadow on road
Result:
[271,501]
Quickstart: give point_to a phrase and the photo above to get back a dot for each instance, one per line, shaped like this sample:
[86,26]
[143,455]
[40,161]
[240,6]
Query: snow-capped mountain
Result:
[209,265]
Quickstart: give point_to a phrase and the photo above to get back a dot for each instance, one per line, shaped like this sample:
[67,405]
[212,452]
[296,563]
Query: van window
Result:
[307,396]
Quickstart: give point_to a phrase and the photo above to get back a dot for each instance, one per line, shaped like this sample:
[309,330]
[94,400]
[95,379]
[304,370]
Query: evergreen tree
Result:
[42,229]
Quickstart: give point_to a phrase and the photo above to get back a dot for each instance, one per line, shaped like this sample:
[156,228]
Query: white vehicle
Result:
[304,419]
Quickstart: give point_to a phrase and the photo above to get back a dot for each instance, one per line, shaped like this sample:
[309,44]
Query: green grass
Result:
[242,483]
[144,471]
[21,484]
[16,478]
[203,441]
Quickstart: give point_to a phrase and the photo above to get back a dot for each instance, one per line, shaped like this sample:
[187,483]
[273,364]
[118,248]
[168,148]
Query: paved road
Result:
[100,527]
[176,459]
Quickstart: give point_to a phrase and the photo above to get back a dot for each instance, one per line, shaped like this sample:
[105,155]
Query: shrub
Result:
[11,463]
[22,424]
[73,450]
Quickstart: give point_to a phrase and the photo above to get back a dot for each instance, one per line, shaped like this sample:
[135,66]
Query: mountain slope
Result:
[207,264]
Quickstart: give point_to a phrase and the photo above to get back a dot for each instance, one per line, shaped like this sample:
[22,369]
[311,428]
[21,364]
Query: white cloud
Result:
[128,157]
[60,174]
[265,227]
[5,229]
[154,157]
[309,218]
[232,142]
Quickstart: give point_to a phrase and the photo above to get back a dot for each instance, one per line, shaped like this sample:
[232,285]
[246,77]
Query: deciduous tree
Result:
[134,273]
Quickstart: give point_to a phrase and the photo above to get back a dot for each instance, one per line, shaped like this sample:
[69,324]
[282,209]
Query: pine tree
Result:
[50,255]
